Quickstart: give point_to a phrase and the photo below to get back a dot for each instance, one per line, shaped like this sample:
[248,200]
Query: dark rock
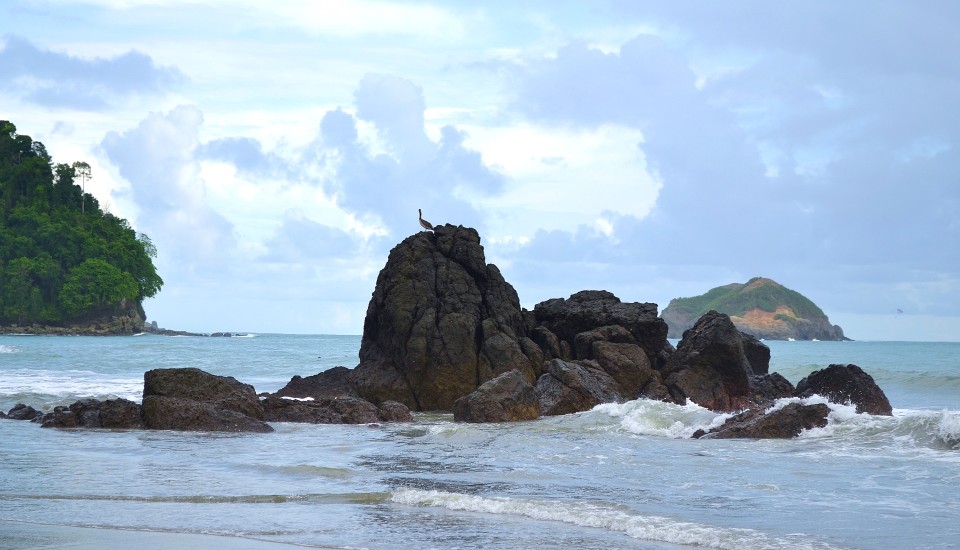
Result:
[571,387]
[767,388]
[193,400]
[710,366]
[93,413]
[758,354]
[330,410]
[506,398]
[335,382]
[847,384]
[615,350]
[441,321]
[589,310]
[23,412]
[391,411]
[782,423]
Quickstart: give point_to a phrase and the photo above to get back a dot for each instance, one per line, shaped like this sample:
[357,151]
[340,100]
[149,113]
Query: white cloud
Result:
[561,178]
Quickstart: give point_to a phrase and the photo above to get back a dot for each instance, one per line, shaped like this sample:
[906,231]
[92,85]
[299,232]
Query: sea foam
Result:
[604,516]
[658,418]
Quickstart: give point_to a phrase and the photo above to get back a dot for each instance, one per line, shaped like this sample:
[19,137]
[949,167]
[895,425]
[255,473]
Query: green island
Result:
[65,264]
[761,307]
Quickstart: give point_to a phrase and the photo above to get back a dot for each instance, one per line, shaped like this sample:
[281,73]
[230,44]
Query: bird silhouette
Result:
[424,223]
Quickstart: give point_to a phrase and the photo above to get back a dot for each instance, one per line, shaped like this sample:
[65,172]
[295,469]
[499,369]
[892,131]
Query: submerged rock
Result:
[333,410]
[23,412]
[783,423]
[506,398]
[847,384]
[120,414]
[193,400]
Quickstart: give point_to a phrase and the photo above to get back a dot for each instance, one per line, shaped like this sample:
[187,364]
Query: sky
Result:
[276,151]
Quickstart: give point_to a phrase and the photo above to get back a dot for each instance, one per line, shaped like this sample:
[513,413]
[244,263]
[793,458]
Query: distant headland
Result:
[760,307]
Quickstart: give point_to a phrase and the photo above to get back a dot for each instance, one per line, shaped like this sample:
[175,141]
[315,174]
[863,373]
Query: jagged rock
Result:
[615,352]
[589,310]
[758,354]
[569,387]
[847,384]
[507,398]
[334,410]
[335,382]
[93,413]
[440,322]
[710,366]
[769,387]
[782,423]
[21,411]
[193,400]
[391,411]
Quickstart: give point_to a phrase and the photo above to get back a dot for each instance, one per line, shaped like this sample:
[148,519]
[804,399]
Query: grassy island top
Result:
[736,299]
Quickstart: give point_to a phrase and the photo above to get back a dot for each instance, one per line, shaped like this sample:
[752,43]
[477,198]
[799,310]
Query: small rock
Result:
[506,398]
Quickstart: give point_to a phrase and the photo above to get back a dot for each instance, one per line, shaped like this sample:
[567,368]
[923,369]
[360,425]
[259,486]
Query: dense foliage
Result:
[61,257]
[737,299]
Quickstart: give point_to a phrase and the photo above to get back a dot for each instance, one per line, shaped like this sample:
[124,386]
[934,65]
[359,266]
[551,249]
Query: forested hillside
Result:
[62,259]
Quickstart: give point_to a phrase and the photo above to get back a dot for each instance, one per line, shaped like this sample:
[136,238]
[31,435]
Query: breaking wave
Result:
[610,517]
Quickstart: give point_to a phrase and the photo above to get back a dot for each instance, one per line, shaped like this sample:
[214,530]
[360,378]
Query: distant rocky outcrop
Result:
[761,307]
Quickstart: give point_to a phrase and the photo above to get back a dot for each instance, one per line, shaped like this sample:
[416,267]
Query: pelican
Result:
[424,223]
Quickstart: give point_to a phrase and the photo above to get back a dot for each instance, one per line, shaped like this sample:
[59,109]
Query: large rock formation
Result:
[761,307]
[711,366]
[440,323]
[193,400]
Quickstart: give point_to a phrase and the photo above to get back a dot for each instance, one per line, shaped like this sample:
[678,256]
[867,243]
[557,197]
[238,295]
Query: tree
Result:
[95,284]
[82,170]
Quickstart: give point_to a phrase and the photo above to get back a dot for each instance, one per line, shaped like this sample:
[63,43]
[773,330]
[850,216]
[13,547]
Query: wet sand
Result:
[42,536]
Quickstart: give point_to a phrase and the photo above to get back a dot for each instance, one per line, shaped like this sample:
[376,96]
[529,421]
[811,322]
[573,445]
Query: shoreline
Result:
[27,535]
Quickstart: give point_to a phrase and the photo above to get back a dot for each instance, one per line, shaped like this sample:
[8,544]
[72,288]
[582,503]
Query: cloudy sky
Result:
[276,151]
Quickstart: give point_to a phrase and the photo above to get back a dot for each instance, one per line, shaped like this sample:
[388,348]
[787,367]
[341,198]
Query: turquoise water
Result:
[620,476]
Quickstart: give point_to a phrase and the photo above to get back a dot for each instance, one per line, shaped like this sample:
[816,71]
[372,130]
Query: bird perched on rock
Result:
[424,223]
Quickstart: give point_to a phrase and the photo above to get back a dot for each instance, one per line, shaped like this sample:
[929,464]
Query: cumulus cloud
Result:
[785,157]
[158,159]
[55,79]
[401,168]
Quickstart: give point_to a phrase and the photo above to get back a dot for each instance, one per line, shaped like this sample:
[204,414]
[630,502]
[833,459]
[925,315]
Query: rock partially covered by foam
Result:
[847,384]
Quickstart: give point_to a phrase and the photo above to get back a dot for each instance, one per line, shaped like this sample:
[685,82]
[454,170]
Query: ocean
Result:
[619,476]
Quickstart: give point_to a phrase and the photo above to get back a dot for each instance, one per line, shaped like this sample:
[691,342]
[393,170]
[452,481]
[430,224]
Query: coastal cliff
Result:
[761,307]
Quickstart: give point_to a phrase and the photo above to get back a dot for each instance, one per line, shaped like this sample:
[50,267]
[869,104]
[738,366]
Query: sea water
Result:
[622,475]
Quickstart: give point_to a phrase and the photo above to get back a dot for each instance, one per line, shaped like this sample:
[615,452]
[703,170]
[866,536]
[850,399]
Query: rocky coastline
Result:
[445,332]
